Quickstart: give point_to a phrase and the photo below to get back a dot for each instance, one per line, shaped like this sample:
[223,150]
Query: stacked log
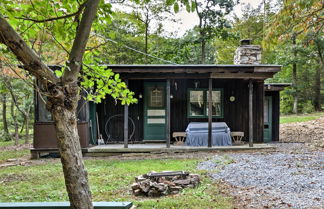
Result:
[159,184]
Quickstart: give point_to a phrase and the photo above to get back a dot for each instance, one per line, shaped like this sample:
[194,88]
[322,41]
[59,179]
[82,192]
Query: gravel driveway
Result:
[292,177]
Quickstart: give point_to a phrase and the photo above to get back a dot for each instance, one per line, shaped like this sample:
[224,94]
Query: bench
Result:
[237,137]
[63,205]
[179,137]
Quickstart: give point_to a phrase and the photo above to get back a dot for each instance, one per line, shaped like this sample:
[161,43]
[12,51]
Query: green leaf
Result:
[188,8]
[176,7]
[193,6]
[169,2]
[58,73]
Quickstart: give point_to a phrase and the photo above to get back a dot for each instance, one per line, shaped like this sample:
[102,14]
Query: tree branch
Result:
[55,18]
[13,96]
[80,42]
[30,60]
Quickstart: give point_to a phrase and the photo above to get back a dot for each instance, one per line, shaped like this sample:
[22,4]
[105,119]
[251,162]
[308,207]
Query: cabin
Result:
[170,97]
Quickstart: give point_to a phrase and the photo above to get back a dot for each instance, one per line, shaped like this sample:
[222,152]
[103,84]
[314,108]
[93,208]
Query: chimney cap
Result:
[246,41]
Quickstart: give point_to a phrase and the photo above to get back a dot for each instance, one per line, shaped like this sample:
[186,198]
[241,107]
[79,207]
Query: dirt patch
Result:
[309,132]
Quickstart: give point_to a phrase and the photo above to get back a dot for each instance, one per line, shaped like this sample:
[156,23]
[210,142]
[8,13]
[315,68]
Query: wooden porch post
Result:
[250,113]
[210,106]
[168,109]
[126,122]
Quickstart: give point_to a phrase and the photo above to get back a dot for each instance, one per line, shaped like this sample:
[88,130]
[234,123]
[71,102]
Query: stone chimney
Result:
[247,53]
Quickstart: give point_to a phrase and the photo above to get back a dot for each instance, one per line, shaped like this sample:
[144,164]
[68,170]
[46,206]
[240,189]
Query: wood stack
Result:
[159,184]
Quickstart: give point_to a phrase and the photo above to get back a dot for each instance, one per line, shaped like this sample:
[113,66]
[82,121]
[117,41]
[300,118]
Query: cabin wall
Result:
[275,113]
[236,113]
[111,120]
[44,127]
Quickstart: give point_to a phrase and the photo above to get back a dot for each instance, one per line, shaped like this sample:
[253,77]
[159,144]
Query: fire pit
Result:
[156,184]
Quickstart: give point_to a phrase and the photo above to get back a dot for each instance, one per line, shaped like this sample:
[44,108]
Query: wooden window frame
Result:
[205,90]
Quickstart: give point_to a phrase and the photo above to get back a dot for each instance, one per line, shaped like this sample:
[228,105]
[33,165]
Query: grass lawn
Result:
[4,144]
[11,153]
[300,118]
[110,180]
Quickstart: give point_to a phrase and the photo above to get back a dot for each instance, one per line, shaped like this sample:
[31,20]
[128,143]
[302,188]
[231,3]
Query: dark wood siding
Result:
[275,113]
[235,113]
[110,109]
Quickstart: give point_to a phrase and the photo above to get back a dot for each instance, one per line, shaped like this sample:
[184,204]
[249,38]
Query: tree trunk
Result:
[4,117]
[203,49]
[27,129]
[76,178]
[146,42]
[14,118]
[202,41]
[23,125]
[202,34]
[62,100]
[294,77]
[317,99]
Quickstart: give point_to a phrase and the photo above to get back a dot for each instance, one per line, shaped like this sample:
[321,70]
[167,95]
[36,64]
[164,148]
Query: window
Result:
[198,103]
[43,114]
[156,97]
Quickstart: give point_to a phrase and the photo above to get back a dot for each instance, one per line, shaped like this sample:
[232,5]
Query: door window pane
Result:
[196,103]
[216,104]
[266,111]
[156,97]
[43,114]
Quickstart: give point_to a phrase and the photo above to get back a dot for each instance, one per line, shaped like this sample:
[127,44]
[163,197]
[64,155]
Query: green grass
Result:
[110,180]
[300,118]
[11,153]
[10,143]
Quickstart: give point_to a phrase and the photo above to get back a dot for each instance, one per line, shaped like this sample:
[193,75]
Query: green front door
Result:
[154,111]
[267,131]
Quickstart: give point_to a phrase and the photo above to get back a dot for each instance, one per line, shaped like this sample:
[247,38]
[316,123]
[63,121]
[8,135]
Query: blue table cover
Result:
[197,134]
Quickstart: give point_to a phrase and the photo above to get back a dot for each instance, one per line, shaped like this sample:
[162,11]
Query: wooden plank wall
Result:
[109,108]
[235,113]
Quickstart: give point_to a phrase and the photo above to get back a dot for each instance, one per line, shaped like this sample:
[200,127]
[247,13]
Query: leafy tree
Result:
[122,32]
[146,12]
[22,99]
[4,100]
[212,20]
[69,23]
[294,21]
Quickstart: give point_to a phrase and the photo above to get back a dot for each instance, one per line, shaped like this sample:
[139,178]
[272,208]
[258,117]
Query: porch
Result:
[118,149]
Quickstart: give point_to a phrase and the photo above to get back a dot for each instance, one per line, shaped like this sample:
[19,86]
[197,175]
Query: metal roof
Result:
[260,71]
[186,65]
